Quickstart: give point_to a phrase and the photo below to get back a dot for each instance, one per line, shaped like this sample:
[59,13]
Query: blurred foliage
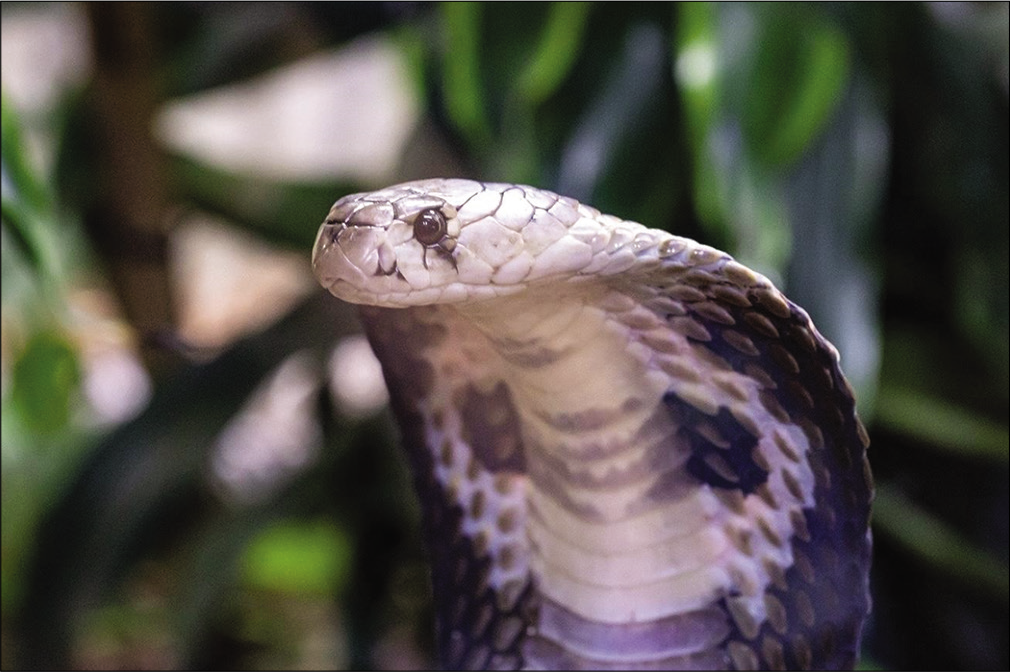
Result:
[44,379]
[856,154]
[298,558]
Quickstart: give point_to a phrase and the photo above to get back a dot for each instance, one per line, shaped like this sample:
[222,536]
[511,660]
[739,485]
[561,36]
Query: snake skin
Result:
[632,451]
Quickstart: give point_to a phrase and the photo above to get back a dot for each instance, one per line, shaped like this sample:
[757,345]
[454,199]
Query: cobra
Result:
[631,450]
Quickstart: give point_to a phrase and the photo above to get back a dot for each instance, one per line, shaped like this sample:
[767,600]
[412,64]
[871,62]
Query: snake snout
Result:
[346,253]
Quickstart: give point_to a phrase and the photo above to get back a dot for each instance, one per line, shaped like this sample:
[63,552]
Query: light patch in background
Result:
[985,23]
[116,385]
[228,283]
[337,114]
[114,382]
[43,51]
[696,65]
[274,437]
[356,378]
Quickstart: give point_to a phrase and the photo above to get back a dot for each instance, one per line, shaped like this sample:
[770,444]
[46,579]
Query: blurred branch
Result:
[126,218]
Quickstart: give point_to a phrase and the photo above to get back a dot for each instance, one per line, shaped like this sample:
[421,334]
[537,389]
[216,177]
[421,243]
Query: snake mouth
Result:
[375,265]
[359,265]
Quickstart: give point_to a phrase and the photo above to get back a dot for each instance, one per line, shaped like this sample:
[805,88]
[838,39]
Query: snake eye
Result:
[430,227]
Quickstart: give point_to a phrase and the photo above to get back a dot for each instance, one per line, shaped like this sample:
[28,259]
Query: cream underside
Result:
[633,559]
[610,553]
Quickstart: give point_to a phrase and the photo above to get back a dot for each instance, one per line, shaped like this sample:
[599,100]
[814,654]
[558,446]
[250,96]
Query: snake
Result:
[631,450]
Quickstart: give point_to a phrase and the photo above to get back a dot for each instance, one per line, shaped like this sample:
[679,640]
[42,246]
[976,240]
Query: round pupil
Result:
[429,228]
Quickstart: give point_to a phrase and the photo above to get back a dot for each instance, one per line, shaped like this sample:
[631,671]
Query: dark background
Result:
[856,154]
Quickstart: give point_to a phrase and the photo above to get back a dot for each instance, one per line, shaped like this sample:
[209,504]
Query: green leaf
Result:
[461,77]
[798,71]
[555,55]
[19,223]
[299,557]
[942,424]
[934,541]
[28,204]
[45,377]
[696,67]
[16,162]
[285,213]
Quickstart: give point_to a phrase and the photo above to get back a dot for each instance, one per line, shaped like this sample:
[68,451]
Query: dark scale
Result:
[816,606]
[744,474]
[466,638]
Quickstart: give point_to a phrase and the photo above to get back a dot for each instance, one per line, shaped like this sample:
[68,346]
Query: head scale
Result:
[448,240]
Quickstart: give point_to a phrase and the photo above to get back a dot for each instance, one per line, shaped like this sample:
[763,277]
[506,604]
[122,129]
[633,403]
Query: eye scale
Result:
[631,451]
[430,227]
